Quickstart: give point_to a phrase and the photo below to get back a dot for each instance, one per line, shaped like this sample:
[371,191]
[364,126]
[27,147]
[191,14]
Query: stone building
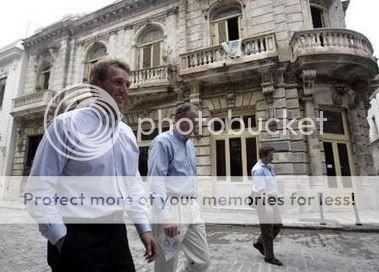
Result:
[296,59]
[11,64]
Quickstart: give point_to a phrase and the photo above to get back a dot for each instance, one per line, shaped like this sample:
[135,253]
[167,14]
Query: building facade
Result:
[296,59]
[11,65]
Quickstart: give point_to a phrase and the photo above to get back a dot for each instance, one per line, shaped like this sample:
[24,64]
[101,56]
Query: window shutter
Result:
[146,61]
[156,54]
[221,31]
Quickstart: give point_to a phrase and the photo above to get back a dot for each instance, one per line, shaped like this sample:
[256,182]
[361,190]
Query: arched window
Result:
[43,76]
[97,52]
[319,14]
[149,46]
[226,23]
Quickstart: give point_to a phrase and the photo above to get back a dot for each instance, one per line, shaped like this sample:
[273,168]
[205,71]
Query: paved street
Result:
[22,249]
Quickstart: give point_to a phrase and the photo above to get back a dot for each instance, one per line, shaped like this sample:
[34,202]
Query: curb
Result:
[363,229]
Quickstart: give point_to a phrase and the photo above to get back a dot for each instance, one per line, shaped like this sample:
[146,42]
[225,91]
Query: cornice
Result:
[135,26]
[110,14]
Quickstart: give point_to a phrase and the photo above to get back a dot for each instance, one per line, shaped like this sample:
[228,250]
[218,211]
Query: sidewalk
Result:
[339,219]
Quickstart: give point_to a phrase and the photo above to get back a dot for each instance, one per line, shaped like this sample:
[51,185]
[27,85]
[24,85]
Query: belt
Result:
[113,218]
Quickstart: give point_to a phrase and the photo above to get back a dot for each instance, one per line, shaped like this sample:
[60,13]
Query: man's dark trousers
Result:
[270,225]
[92,248]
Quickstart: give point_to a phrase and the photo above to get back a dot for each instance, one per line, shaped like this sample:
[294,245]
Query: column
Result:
[313,140]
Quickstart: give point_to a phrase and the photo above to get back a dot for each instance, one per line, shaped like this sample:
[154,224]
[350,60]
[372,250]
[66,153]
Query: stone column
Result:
[195,93]
[313,140]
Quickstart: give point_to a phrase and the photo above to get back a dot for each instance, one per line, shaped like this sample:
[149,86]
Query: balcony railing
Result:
[213,57]
[148,76]
[35,100]
[332,41]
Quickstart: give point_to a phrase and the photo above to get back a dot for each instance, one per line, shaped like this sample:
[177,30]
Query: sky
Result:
[21,18]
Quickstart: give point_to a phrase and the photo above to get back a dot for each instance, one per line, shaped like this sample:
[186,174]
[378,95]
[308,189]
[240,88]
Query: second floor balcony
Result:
[150,80]
[334,51]
[32,103]
[214,59]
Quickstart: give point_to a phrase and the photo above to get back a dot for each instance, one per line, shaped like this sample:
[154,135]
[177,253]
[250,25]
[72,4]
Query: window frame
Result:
[226,137]
[141,46]
[141,54]
[324,15]
[90,62]
[215,23]
[2,94]
[336,139]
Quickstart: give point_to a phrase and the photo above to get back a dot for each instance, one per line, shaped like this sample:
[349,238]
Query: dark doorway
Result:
[33,142]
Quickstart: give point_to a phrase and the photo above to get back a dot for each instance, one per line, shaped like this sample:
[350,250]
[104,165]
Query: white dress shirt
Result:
[119,161]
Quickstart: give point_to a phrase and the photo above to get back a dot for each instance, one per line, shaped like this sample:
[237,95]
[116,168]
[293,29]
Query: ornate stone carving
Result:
[339,94]
[309,77]
[230,99]
[268,86]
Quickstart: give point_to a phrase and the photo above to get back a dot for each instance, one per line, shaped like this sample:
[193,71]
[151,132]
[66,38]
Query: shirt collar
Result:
[265,165]
[179,136]
[106,115]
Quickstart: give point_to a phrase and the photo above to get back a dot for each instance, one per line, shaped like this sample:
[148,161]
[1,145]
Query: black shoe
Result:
[260,248]
[274,261]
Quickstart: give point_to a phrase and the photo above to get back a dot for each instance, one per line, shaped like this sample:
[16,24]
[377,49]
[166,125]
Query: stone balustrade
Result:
[251,49]
[32,98]
[330,41]
[31,101]
[149,76]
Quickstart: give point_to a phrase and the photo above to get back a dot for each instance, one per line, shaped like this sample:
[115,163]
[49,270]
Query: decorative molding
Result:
[268,86]
[309,78]
[96,20]
[339,93]
[230,99]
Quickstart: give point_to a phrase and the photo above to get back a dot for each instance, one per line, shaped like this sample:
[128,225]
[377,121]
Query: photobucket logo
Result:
[235,126]
[90,130]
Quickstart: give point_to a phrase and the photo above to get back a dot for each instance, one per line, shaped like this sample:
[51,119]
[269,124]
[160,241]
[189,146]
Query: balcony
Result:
[212,59]
[336,50]
[32,103]
[151,80]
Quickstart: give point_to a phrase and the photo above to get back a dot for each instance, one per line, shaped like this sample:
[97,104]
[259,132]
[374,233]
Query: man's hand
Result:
[171,230]
[59,244]
[150,246]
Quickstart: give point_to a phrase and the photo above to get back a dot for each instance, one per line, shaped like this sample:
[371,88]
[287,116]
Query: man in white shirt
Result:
[90,246]
[265,193]
[173,180]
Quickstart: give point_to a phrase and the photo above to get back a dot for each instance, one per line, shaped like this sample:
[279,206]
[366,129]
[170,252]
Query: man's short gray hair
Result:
[182,110]
[99,71]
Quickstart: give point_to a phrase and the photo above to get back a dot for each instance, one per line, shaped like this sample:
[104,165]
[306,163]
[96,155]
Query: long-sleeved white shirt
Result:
[118,162]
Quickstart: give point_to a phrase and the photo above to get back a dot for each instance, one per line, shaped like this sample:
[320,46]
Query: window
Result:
[318,17]
[226,22]
[235,155]
[150,48]
[3,82]
[97,52]
[334,123]
[337,149]
[43,77]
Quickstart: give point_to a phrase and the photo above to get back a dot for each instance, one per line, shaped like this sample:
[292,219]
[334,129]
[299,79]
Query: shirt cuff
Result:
[53,232]
[142,228]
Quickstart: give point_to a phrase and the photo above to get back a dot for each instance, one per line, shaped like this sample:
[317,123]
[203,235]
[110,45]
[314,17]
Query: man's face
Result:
[193,116]
[270,157]
[117,84]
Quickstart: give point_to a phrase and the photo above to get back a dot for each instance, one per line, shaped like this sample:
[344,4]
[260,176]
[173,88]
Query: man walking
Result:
[88,245]
[172,179]
[265,192]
